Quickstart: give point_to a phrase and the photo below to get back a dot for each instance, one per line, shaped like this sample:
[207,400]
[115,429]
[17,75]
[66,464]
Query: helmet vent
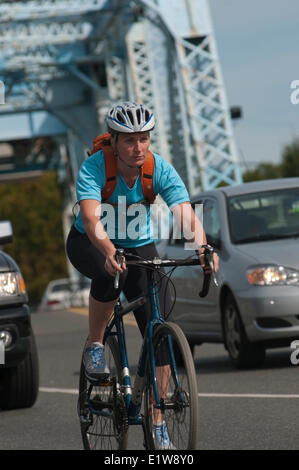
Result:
[130,116]
[120,118]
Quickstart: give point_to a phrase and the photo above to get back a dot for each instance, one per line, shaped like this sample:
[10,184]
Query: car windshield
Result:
[267,215]
[60,287]
[73,286]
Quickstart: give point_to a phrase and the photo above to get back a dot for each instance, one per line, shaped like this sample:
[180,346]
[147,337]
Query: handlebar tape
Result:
[207,276]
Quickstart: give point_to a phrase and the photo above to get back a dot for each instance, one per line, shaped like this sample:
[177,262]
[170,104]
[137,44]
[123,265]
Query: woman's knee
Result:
[103,290]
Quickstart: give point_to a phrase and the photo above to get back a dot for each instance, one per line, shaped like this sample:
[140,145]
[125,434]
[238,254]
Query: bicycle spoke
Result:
[100,405]
[177,390]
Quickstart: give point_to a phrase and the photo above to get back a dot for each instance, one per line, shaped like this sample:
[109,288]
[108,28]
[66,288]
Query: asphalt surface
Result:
[239,410]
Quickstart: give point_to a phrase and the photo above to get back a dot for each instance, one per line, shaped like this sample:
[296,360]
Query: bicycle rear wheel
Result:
[177,389]
[101,408]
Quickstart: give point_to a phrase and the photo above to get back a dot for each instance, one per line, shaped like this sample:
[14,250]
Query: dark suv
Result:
[19,375]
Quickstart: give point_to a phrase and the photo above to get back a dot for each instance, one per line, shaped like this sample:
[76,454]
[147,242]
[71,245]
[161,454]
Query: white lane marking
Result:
[246,395]
[74,391]
[70,391]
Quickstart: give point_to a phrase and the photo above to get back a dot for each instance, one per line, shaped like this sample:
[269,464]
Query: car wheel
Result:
[19,385]
[243,353]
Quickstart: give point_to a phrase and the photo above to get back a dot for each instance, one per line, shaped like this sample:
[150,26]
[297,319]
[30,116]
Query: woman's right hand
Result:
[112,266]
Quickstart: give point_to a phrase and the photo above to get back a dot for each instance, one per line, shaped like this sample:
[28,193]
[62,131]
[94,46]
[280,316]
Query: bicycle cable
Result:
[169,274]
[159,281]
[162,274]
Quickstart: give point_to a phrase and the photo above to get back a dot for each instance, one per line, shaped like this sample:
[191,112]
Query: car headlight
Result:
[11,284]
[272,276]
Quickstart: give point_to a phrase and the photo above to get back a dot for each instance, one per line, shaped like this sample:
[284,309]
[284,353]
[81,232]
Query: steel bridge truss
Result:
[143,55]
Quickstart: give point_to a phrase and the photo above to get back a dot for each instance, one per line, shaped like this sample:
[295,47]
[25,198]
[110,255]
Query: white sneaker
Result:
[96,369]
[161,437]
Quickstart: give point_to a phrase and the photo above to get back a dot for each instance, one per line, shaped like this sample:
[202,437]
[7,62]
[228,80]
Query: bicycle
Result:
[106,410]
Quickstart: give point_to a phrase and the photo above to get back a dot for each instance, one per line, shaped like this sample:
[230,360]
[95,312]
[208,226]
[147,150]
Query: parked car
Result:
[253,302]
[19,372]
[61,294]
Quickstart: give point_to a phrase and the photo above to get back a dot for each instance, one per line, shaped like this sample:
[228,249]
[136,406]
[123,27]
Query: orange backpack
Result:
[102,142]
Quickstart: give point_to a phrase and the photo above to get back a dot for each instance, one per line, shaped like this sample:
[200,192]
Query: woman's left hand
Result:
[215,260]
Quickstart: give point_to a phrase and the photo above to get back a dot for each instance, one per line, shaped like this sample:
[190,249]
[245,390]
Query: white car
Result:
[65,293]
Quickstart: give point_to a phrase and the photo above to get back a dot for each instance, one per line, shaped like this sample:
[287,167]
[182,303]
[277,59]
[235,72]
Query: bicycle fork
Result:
[135,401]
[139,383]
[146,352]
[134,398]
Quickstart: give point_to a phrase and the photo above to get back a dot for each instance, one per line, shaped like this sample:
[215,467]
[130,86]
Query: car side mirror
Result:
[6,232]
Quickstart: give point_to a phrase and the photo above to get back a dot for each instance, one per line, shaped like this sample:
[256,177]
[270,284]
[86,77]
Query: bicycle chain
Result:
[121,422]
[121,417]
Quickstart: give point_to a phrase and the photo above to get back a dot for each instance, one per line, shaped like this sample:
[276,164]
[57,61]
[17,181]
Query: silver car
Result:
[253,302]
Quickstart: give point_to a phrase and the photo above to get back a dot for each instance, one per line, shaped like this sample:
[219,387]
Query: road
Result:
[239,410]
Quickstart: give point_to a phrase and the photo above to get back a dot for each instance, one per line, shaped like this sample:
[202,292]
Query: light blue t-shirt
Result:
[128,224]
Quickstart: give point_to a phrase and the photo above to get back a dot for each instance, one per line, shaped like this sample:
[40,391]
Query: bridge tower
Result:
[161,52]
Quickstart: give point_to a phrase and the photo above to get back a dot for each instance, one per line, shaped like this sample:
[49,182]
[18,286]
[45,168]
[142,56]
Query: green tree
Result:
[290,159]
[287,168]
[264,171]
[34,209]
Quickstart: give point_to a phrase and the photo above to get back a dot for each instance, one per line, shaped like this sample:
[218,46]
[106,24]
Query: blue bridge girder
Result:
[161,52]
[38,9]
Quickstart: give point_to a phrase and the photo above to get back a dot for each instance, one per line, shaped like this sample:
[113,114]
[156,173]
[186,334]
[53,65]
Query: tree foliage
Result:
[264,171]
[287,168]
[290,159]
[35,211]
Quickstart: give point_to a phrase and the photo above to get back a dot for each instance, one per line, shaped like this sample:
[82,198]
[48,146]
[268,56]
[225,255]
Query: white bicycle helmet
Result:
[129,117]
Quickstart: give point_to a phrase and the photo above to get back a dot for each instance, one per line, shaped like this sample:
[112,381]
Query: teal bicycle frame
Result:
[133,399]
[159,395]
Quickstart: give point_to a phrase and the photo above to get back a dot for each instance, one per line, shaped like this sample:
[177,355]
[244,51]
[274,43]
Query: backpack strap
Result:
[111,172]
[100,142]
[103,142]
[147,178]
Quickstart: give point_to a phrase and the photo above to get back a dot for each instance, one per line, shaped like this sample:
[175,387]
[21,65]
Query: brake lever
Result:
[119,256]
[208,253]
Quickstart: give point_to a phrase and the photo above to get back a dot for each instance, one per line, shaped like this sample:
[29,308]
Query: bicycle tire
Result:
[179,404]
[106,428]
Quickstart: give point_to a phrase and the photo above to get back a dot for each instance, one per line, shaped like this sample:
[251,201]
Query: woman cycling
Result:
[91,246]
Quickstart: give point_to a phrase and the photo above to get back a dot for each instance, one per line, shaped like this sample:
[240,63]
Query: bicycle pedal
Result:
[101,383]
[104,384]
[85,420]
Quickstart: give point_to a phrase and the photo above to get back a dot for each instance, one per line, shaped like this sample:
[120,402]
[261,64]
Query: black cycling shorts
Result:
[89,261]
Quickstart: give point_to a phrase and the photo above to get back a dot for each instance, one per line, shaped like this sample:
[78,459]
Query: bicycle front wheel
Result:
[177,389]
[101,408]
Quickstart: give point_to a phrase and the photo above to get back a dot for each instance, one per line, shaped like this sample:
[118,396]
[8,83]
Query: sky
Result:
[258,48]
